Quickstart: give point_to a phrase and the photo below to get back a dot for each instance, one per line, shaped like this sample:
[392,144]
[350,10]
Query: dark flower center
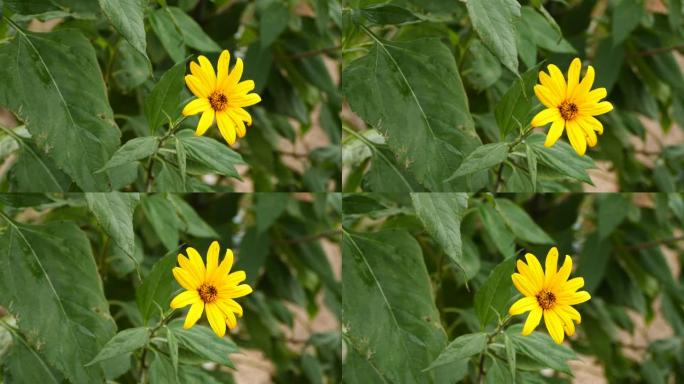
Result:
[567,110]
[546,299]
[207,293]
[218,101]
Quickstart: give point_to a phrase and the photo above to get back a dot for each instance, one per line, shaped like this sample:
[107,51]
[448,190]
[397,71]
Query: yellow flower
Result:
[550,294]
[220,95]
[571,105]
[212,288]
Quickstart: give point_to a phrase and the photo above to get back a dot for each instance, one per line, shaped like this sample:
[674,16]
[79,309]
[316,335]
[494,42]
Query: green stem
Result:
[499,328]
[499,172]
[160,143]
[143,366]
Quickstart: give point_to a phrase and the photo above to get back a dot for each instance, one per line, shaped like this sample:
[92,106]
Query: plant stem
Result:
[499,328]
[143,366]
[160,142]
[499,172]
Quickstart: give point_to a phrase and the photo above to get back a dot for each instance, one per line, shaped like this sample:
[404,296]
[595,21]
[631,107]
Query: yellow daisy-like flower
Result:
[211,288]
[550,294]
[221,96]
[571,105]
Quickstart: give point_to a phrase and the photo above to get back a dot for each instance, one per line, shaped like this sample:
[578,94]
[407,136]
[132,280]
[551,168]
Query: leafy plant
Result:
[446,95]
[435,273]
[95,90]
[86,284]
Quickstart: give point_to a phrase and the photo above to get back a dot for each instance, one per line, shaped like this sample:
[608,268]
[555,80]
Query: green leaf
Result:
[491,298]
[173,347]
[612,211]
[386,14]
[193,223]
[405,334]
[510,353]
[544,34]
[441,215]
[494,21]
[531,165]
[71,121]
[49,282]
[35,172]
[513,110]
[213,154]
[176,30]
[626,17]
[482,158]
[268,208]
[385,175]
[255,245]
[273,20]
[541,348]
[133,150]
[497,373]
[562,158]
[130,69]
[495,226]
[520,223]
[161,214]
[155,291]
[25,364]
[76,8]
[162,104]
[481,69]
[395,86]
[123,342]
[114,212]
[203,342]
[461,348]
[127,18]
[162,370]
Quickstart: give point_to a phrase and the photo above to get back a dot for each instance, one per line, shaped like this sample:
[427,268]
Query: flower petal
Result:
[523,305]
[551,265]
[597,109]
[242,88]
[185,279]
[196,87]
[554,325]
[208,71]
[235,292]
[558,79]
[523,285]
[216,319]
[570,312]
[590,121]
[196,106]
[555,132]
[239,124]
[205,122]
[546,96]
[571,286]
[589,133]
[195,272]
[185,298]
[575,298]
[246,101]
[231,321]
[532,321]
[196,261]
[242,114]
[226,127]
[573,76]
[229,306]
[576,137]
[594,96]
[199,73]
[582,90]
[212,257]
[223,268]
[194,314]
[234,75]
[546,116]
[536,270]
[222,67]
[562,274]
[558,90]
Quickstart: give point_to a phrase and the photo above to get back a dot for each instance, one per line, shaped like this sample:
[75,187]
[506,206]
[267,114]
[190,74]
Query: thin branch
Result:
[315,52]
[657,51]
[304,239]
[655,243]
